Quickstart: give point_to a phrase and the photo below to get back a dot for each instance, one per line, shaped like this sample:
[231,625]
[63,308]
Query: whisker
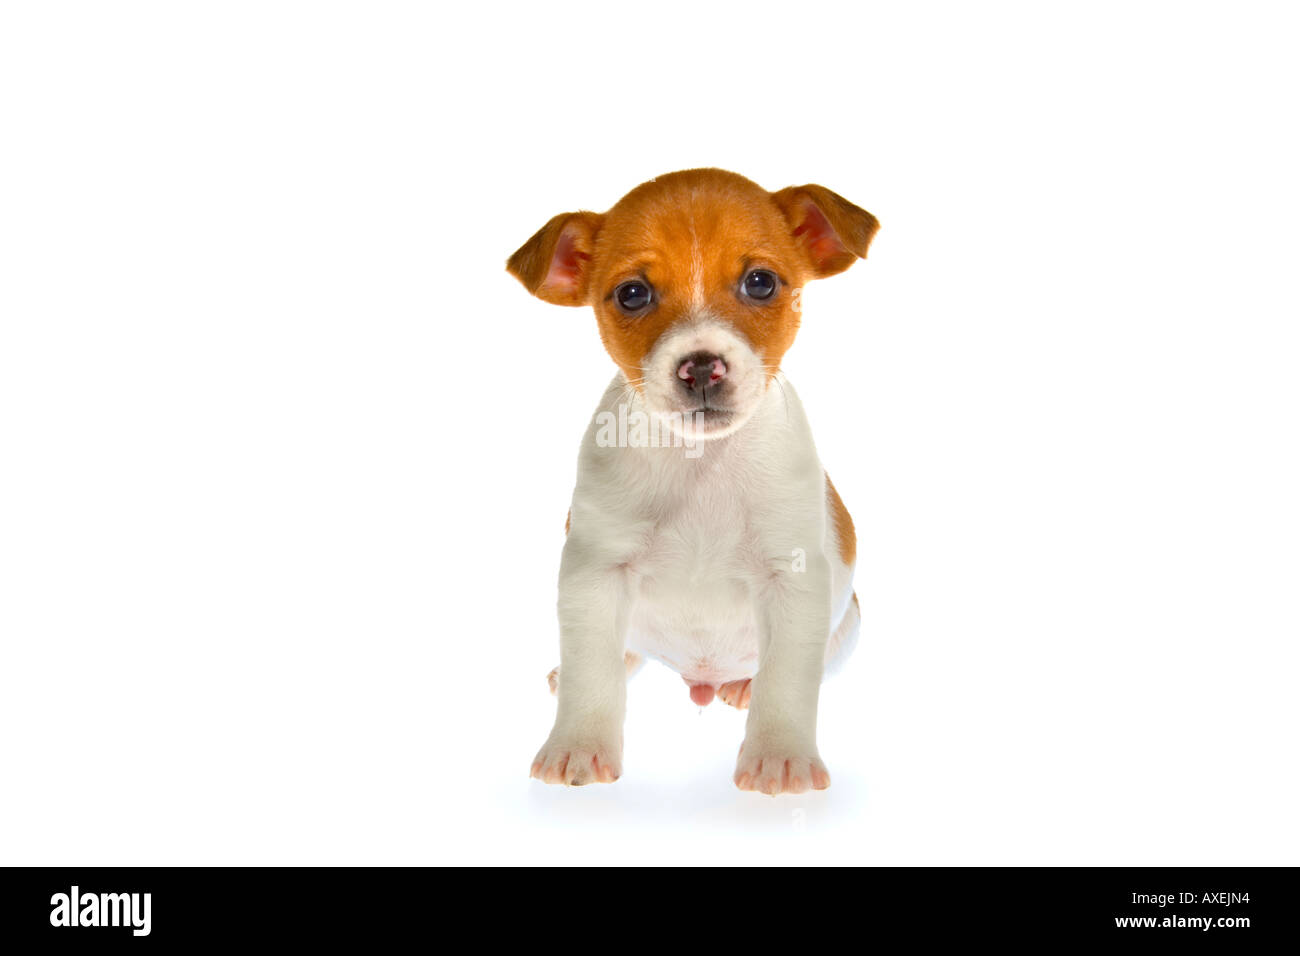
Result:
[785,399]
[629,394]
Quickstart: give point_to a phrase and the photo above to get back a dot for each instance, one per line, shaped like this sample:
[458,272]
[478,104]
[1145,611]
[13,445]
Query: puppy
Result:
[703,531]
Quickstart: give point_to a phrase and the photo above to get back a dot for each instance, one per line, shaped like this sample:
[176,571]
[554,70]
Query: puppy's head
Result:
[695,278]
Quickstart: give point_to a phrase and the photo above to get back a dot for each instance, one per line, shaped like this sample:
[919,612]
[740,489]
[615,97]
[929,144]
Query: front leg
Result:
[779,754]
[586,742]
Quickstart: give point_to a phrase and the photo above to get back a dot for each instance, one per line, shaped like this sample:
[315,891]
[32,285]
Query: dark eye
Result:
[633,296]
[759,284]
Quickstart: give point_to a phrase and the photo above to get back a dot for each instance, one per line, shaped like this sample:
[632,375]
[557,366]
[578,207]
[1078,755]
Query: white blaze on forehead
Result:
[697,268]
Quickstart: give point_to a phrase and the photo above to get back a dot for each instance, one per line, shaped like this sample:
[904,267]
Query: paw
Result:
[575,761]
[780,769]
[735,693]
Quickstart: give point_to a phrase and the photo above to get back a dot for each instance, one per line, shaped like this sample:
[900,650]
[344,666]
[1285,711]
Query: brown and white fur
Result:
[731,564]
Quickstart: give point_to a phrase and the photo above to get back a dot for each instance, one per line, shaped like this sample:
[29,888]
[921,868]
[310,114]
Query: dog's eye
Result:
[759,284]
[633,296]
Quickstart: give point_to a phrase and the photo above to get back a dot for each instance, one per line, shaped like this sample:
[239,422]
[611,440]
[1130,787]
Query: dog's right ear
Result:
[554,265]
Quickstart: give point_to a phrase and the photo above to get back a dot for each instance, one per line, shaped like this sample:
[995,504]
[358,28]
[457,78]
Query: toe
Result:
[555,769]
[582,770]
[606,772]
[797,779]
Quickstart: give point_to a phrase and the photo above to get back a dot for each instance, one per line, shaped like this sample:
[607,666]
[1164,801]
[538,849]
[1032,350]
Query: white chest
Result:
[697,535]
[693,589]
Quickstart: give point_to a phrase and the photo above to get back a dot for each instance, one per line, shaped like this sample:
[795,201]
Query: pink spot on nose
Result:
[690,368]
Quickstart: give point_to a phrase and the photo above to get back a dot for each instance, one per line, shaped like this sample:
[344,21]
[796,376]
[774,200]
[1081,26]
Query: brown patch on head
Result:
[843,522]
[692,237]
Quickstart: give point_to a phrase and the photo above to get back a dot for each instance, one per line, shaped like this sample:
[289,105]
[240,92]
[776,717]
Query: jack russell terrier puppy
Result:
[721,549]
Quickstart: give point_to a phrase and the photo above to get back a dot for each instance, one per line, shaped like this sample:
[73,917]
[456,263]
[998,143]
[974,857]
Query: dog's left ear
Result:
[832,232]
[554,264]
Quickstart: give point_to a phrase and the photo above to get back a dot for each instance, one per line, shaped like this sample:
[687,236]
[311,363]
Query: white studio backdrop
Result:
[285,455]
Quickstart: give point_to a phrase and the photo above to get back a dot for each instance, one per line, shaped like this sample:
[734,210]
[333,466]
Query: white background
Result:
[287,454]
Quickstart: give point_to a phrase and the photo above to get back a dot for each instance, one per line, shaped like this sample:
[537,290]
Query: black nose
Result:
[699,370]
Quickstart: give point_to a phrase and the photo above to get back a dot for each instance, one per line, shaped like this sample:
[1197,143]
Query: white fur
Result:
[723,565]
[703,333]
[697,269]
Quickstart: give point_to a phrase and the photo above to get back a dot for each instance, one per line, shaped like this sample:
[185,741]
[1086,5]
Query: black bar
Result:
[1219,907]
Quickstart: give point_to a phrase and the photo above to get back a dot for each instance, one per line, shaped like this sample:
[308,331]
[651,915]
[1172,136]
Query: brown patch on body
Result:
[844,533]
[568,519]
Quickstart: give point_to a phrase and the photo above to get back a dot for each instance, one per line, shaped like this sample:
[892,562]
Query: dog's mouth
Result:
[705,406]
[700,420]
[706,411]
[704,420]
[706,415]
[710,402]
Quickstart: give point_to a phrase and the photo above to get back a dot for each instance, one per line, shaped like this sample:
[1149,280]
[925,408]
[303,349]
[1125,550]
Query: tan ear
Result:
[832,231]
[554,264]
